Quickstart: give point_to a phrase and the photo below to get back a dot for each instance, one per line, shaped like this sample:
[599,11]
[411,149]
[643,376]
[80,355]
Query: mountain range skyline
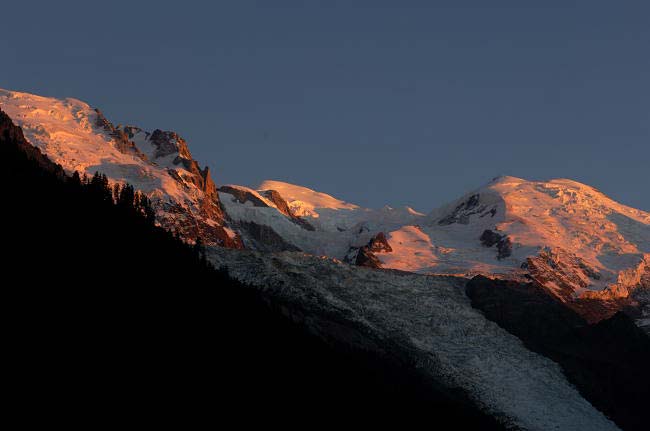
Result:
[577,243]
[402,106]
[628,193]
[342,193]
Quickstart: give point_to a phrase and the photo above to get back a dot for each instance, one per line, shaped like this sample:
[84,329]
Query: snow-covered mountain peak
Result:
[79,138]
[521,198]
[305,201]
[571,237]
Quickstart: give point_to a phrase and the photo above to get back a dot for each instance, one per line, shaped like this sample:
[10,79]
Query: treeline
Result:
[123,196]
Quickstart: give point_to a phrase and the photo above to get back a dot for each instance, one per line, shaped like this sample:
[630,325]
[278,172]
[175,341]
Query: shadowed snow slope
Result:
[426,321]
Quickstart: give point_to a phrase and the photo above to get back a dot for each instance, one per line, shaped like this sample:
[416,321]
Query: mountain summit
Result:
[568,236]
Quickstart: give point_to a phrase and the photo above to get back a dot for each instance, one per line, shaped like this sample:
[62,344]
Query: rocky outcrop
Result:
[171,152]
[167,144]
[256,236]
[462,212]
[490,238]
[206,219]
[282,206]
[379,243]
[275,197]
[193,225]
[209,189]
[203,219]
[121,139]
[365,256]
[242,196]
[560,272]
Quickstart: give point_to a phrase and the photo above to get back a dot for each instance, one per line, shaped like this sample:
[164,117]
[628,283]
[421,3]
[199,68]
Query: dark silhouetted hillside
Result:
[115,321]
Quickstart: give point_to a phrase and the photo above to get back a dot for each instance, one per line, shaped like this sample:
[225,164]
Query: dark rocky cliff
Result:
[609,362]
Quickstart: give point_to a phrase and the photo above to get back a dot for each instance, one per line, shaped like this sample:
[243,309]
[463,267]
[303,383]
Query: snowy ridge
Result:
[65,131]
[253,193]
[304,201]
[337,225]
[80,138]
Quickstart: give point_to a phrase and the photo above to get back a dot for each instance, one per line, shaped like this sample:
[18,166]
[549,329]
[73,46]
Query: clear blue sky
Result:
[376,102]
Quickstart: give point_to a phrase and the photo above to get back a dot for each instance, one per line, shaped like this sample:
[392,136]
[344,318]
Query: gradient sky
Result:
[375,102]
